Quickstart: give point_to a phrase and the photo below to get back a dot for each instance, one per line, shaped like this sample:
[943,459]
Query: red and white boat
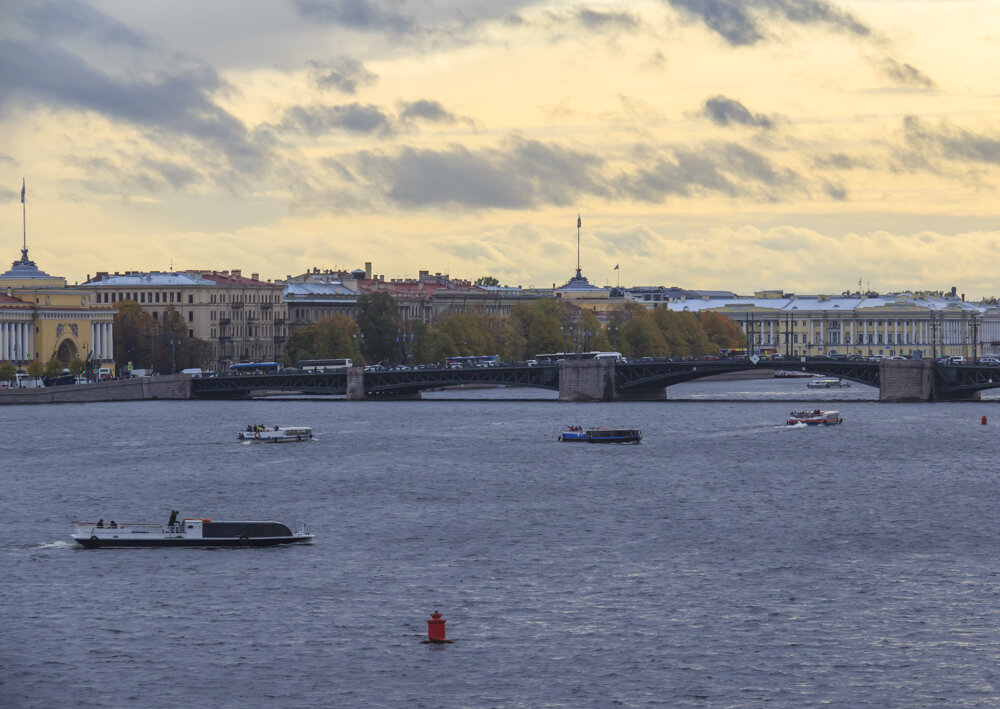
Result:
[814,418]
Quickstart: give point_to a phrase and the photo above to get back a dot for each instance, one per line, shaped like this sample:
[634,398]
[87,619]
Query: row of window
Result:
[175,297]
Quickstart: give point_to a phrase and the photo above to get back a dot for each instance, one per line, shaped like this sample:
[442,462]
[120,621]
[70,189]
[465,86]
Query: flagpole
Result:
[24,221]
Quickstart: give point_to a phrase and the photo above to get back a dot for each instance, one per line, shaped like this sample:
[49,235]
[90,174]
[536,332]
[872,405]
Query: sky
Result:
[802,145]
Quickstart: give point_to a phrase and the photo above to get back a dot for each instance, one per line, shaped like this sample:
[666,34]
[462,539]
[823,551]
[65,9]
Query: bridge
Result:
[604,380]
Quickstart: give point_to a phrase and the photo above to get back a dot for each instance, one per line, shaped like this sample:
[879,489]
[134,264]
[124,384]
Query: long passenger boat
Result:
[188,532]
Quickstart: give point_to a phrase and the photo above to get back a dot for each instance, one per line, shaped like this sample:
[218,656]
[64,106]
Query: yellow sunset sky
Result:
[713,144]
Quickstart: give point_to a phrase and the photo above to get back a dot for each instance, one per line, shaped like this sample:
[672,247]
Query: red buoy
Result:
[984,420]
[435,629]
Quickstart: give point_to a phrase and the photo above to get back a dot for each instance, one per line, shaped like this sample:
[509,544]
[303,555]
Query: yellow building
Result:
[41,318]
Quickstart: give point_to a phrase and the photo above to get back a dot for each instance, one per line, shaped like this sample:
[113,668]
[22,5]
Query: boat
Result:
[577,434]
[188,532]
[827,384]
[814,418]
[791,374]
[278,434]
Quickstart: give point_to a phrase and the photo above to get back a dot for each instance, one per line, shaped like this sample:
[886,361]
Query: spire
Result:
[579,223]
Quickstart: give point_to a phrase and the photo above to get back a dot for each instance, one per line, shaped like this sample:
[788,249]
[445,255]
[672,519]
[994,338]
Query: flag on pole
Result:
[22,190]
[579,222]
[615,268]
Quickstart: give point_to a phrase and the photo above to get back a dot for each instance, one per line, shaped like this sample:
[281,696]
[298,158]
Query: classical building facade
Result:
[243,319]
[41,318]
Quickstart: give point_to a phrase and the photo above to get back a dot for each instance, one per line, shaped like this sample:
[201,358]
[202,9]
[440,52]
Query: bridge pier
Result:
[902,380]
[356,384]
[587,380]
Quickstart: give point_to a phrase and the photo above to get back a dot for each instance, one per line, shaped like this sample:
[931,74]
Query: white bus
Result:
[324,365]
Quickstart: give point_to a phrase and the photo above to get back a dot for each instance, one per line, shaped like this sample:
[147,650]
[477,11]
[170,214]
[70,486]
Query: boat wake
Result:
[55,545]
[795,425]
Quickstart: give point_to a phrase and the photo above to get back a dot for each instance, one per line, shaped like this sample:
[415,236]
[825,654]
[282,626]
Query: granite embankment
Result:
[174,386]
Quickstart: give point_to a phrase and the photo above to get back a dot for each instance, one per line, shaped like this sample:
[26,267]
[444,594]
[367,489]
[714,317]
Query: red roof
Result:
[4,298]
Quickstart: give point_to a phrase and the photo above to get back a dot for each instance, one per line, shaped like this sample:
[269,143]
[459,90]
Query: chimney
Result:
[953,289]
[255,276]
[237,272]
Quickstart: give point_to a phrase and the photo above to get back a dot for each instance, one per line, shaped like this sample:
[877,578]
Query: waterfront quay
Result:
[575,380]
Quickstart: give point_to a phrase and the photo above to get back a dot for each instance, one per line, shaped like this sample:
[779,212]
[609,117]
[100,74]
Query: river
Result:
[727,561]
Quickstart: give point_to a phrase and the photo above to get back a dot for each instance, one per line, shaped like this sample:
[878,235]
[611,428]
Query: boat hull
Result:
[812,422]
[98,543]
[575,437]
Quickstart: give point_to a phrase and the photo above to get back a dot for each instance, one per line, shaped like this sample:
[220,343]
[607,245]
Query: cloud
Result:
[352,117]
[905,74]
[725,111]
[835,191]
[343,74]
[426,110]
[69,19]
[365,15]
[523,173]
[745,22]
[840,161]
[179,103]
[598,21]
[929,143]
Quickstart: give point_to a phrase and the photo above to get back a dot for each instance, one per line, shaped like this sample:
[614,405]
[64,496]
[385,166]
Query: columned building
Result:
[41,318]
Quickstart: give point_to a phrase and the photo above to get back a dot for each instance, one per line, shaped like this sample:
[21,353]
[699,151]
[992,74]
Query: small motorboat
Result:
[577,434]
[814,418]
[278,434]
[188,532]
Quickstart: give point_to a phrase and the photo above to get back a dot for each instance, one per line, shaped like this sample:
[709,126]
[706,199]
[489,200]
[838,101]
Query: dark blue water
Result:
[727,561]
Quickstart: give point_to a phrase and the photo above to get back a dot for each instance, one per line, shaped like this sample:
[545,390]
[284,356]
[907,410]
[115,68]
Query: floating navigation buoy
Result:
[984,420]
[435,629]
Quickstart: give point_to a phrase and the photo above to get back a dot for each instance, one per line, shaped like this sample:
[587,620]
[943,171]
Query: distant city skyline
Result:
[742,145]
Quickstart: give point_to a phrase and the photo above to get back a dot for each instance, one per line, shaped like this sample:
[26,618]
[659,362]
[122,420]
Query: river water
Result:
[727,561]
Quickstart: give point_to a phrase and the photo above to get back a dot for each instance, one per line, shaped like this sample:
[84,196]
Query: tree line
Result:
[379,335]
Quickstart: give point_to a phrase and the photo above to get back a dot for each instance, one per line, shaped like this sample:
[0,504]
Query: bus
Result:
[742,352]
[255,368]
[556,356]
[472,361]
[324,365]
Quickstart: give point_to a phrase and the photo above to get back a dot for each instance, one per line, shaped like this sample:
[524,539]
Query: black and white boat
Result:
[188,532]
[577,434]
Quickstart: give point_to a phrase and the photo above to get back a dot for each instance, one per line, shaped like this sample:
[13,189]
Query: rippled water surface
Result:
[727,561]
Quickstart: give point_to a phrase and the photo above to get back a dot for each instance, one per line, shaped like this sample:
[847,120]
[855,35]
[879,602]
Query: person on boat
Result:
[113,525]
[249,428]
[100,522]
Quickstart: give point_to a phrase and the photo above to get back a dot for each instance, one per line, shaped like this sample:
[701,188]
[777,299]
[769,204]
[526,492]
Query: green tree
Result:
[77,366]
[540,325]
[35,369]
[378,318]
[682,332]
[7,371]
[487,281]
[54,367]
[134,330]
[588,335]
[327,338]
[422,344]
[640,337]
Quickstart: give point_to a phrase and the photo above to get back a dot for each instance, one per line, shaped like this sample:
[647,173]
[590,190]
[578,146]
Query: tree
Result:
[540,325]
[133,331]
[7,371]
[35,368]
[422,344]
[487,281]
[588,335]
[329,337]
[721,331]
[77,366]
[682,332]
[378,318]
[54,367]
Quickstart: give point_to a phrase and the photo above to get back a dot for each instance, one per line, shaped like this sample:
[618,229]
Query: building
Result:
[41,318]
[243,319]
[922,324]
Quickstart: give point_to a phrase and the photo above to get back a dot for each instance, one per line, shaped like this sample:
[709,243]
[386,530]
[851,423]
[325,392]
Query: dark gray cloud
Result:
[724,168]
[524,173]
[521,174]
[352,117]
[835,191]
[745,22]
[725,111]
[598,21]
[840,161]
[69,19]
[426,110]
[928,144]
[180,103]
[343,74]
[365,15]
[905,74]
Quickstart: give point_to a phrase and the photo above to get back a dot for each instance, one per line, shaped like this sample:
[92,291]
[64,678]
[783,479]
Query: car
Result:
[989,360]
[957,360]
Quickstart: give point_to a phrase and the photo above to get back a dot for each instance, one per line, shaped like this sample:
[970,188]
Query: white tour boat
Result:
[188,532]
[827,383]
[814,418]
[277,434]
